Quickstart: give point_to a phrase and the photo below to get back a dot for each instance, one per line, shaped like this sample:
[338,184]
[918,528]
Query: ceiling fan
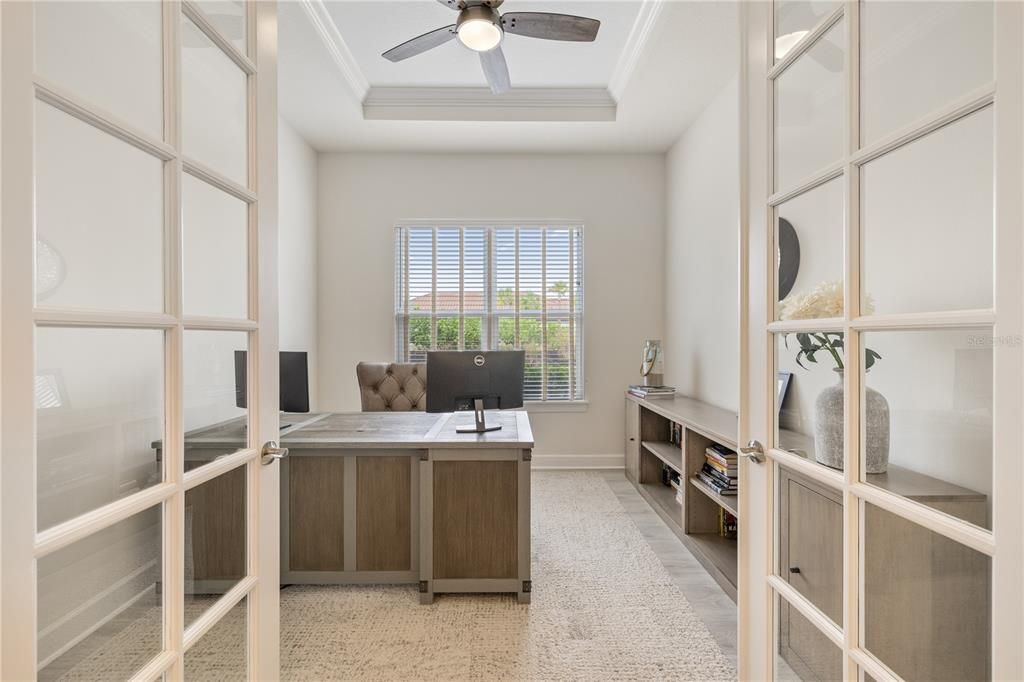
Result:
[481,28]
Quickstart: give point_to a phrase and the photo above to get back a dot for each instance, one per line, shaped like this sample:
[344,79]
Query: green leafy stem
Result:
[830,342]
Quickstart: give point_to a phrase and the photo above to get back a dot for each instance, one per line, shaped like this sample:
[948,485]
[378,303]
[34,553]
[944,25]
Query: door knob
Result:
[271,451]
[753,451]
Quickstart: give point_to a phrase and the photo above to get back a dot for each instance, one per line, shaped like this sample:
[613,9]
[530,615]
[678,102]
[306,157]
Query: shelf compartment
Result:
[726,502]
[665,497]
[670,454]
[722,553]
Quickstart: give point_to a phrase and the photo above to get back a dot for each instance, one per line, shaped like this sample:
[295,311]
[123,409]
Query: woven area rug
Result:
[604,608]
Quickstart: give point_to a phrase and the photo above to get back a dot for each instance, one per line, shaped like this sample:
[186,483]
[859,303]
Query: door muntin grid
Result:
[855,326]
[167,485]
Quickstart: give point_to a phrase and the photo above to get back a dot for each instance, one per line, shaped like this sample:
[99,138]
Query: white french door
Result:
[138,245]
[881,255]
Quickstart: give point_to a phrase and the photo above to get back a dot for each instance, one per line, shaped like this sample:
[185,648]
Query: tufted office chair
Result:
[392,386]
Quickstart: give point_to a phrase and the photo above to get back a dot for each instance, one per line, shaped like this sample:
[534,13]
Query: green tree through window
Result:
[495,288]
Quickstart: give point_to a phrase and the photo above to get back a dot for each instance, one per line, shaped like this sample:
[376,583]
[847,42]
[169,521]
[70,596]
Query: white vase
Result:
[828,427]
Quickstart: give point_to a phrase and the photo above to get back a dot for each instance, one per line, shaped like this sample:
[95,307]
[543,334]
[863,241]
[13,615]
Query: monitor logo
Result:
[479,360]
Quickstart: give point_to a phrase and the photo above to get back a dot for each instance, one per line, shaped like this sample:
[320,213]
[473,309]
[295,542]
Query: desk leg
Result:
[426,531]
[525,582]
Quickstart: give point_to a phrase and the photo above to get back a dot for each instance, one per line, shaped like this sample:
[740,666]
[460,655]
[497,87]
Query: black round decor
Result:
[789,257]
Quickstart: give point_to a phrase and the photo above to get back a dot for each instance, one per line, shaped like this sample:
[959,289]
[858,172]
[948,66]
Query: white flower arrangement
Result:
[823,301]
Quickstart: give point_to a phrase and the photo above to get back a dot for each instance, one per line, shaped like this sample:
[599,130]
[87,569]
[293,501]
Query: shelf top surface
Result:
[719,423]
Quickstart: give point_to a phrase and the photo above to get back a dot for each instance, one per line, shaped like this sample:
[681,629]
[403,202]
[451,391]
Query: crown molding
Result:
[646,19]
[335,44]
[479,104]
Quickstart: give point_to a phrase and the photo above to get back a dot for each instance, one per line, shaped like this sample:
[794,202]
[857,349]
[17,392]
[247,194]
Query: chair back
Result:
[392,386]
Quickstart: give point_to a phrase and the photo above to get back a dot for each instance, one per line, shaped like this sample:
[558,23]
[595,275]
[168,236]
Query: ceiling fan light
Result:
[479,34]
[787,42]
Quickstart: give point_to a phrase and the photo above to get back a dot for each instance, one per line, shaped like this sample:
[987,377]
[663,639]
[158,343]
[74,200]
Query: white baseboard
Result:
[613,461]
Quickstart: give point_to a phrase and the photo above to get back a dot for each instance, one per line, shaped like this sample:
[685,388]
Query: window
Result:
[498,287]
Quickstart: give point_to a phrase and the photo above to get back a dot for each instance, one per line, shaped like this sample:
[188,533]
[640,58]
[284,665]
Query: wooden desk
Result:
[390,497]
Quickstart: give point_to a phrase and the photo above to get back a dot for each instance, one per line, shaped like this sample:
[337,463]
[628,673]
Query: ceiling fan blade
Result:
[828,55]
[550,26]
[456,5]
[496,70]
[419,44]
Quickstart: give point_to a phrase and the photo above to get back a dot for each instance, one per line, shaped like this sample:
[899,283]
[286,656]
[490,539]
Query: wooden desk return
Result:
[389,497]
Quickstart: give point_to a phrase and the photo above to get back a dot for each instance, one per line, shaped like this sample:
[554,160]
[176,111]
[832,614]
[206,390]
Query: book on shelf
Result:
[670,476]
[718,477]
[675,433]
[727,524]
[729,470]
[715,484]
[720,453]
[652,391]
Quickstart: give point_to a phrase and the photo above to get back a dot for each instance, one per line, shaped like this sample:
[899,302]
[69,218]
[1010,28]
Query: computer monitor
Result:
[294,380]
[475,380]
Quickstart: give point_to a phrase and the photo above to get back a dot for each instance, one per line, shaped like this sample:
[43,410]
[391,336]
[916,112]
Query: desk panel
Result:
[316,514]
[475,519]
[383,513]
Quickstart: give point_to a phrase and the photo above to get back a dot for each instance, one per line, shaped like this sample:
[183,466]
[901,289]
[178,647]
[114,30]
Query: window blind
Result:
[497,287]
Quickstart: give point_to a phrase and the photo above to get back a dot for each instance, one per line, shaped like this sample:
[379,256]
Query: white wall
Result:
[620,200]
[297,248]
[702,256]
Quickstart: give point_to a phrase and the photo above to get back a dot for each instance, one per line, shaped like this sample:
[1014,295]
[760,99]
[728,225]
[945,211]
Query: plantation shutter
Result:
[499,287]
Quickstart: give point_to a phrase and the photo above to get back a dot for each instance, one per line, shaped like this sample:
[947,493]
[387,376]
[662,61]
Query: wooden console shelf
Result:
[726,502]
[668,453]
[694,519]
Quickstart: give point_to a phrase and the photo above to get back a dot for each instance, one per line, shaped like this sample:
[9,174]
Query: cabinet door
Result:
[811,560]
[632,440]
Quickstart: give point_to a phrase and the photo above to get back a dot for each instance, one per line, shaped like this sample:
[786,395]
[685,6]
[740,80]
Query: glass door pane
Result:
[810,555]
[221,655]
[215,245]
[88,221]
[810,396]
[99,418]
[810,250]
[794,19]
[931,203]
[928,419]
[810,111]
[917,57]
[108,53]
[803,651]
[100,605]
[213,106]
[926,601]
[215,540]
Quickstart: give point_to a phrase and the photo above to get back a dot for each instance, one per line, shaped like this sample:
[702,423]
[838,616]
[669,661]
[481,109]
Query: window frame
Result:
[490,314]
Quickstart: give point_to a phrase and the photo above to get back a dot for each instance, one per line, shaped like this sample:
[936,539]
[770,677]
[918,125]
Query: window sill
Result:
[556,405]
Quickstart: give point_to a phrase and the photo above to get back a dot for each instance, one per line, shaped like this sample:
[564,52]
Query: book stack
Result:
[727,524]
[671,477]
[719,471]
[652,391]
[675,434]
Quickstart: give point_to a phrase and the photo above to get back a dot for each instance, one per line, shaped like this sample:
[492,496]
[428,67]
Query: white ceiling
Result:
[662,72]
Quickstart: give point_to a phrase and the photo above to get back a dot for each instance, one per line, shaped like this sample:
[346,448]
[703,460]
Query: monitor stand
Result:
[480,426]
